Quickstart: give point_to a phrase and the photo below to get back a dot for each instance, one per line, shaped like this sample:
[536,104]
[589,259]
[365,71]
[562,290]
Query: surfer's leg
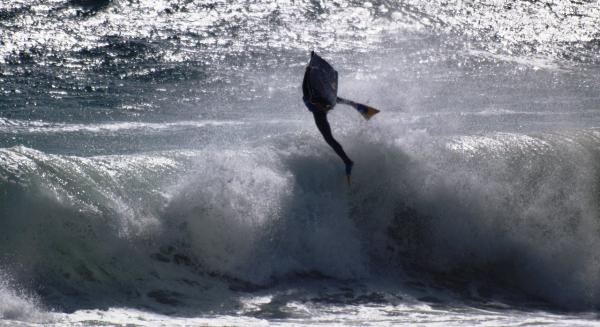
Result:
[325,129]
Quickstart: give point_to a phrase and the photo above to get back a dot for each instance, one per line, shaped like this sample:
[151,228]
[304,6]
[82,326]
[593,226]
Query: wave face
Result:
[156,155]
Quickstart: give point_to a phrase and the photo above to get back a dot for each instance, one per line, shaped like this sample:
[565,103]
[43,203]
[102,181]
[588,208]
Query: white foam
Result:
[321,314]
[17,306]
[125,316]
[41,127]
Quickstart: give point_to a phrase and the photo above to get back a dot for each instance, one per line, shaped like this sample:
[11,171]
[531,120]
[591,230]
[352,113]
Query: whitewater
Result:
[158,165]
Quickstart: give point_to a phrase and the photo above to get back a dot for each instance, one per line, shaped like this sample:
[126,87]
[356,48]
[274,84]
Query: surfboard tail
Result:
[366,111]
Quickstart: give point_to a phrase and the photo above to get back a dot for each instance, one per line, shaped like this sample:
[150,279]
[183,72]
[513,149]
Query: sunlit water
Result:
[158,167]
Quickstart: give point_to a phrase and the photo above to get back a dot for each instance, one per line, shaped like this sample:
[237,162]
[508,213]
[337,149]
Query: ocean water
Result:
[158,166]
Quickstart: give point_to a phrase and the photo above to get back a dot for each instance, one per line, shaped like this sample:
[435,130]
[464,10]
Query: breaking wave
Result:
[503,211]
[155,155]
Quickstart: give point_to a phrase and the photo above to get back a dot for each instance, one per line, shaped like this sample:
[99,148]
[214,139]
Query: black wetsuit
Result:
[319,110]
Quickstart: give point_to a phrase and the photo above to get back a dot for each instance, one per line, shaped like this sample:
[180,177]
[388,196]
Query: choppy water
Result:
[157,164]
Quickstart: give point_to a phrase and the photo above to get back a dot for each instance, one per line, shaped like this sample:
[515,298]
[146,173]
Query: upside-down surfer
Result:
[319,89]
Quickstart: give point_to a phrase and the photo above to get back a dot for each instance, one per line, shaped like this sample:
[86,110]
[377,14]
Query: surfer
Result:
[319,89]
[317,98]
